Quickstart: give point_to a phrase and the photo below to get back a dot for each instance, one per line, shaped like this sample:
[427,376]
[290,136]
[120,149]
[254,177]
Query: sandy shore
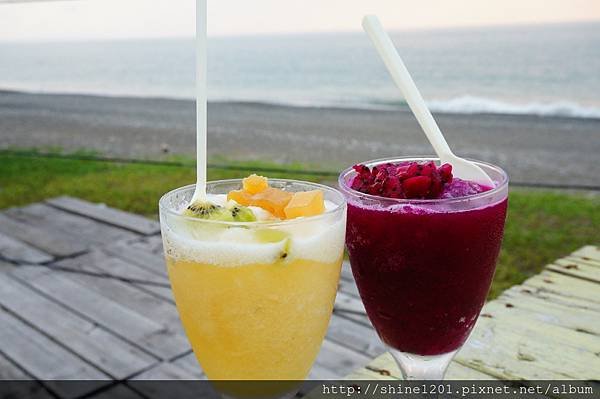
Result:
[533,149]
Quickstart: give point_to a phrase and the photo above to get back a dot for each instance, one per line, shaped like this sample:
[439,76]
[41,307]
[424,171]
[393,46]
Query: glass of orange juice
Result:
[255,297]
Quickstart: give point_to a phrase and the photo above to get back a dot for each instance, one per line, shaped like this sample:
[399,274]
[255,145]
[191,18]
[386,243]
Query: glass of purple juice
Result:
[424,267]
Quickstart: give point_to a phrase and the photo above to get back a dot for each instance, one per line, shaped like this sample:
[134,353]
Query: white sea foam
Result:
[480,105]
[319,240]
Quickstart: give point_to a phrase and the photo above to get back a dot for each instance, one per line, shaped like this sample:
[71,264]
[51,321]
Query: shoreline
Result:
[390,108]
[551,150]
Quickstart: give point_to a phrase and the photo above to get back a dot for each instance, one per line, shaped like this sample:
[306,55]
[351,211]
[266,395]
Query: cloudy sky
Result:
[100,19]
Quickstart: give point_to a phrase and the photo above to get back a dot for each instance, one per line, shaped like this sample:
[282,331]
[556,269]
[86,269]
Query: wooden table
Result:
[77,278]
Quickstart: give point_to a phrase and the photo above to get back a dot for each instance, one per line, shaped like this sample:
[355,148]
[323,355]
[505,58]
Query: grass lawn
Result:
[541,226]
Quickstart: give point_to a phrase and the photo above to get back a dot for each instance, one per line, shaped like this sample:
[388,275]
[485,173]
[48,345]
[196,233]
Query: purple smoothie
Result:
[424,268]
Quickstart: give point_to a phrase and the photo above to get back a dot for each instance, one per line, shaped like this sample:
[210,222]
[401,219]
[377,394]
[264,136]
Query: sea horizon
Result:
[466,70]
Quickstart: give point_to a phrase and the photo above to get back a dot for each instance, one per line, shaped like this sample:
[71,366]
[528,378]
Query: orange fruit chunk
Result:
[305,203]
[273,200]
[254,184]
[240,196]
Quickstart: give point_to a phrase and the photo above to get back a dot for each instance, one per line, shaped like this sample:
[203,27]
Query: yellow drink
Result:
[259,321]
[255,298]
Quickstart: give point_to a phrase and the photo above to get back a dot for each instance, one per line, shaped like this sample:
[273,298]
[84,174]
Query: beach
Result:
[549,150]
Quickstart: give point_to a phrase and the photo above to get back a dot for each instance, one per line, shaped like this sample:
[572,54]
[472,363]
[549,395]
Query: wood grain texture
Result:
[97,299]
[16,250]
[91,231]
[42,237]
[115,217]
[43,358]
[85,338]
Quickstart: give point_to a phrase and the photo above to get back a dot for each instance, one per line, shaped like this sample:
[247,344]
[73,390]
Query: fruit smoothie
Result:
[255,280]
[423,248]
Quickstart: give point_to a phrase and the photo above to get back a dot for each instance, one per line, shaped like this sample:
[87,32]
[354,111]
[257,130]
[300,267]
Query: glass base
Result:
[417,367]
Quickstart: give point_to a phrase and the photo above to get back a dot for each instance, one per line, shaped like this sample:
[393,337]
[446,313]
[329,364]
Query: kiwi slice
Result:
[231,212]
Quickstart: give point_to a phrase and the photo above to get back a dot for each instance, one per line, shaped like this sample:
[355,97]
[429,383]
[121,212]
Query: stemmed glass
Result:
[424,267]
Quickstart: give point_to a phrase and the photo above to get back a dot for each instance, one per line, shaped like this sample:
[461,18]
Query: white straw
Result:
[404,81]
[201,83]
[383,43]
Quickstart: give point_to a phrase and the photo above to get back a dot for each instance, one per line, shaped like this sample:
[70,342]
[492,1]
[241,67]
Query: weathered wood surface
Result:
[77,278]
[546,328]
[15,250]
[102,213]
[86,339]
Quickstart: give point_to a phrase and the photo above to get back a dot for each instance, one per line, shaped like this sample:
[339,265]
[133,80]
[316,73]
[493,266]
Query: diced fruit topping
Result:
[411,180]
[273,200]
[255,184]
[279,203]
[305,203]
[240,196]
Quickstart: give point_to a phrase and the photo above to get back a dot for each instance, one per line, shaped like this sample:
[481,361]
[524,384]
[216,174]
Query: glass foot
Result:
[417,367]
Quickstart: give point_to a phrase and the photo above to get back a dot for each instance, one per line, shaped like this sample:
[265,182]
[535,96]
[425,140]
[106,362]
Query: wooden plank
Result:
[586,261]
[142,254]
[16,383]
[552,297]
[115,217]
[319,372]
[43,238]
[44,359]
[588,252]
[339,359]
[10,371]
[86,339]
[564,285]
[97,261]
[345,302]
[93,232]
[168,340]
[158,291]
[18,251]
[349,287]
[346,273]
[513,348]
[531,307]
[150,333]
[355,336]
[576,269]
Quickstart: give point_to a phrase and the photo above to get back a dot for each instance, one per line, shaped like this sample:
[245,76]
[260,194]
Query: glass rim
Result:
[163,208]
[350,191]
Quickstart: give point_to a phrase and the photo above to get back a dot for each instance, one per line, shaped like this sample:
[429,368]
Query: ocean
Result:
[541,70]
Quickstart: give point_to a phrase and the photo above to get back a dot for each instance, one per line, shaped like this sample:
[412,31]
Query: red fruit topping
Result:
[403,180]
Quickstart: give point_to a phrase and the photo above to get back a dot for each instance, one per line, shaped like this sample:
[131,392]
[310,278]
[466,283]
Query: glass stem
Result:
[416,367]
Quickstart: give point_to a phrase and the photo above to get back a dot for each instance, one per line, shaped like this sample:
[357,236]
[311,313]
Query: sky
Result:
[107,19]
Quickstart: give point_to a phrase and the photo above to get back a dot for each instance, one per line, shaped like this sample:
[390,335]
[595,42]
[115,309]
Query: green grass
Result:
[541,226]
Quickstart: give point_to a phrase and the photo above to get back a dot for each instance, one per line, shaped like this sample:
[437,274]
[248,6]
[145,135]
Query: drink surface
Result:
[423,273]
